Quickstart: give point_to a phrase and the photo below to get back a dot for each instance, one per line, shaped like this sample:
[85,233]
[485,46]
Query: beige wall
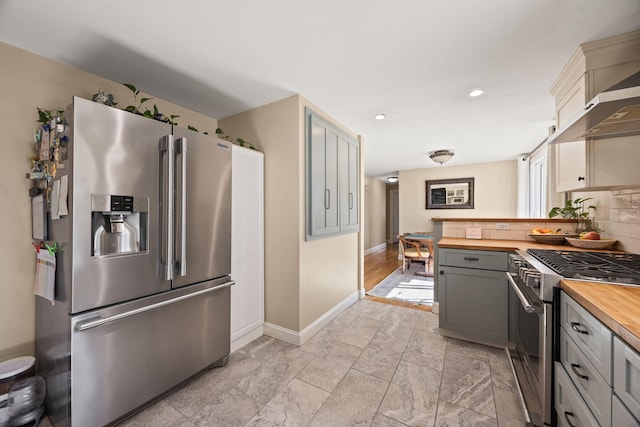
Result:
[303,279]
[329,267]
[28,81]
[495,193]
[375,212]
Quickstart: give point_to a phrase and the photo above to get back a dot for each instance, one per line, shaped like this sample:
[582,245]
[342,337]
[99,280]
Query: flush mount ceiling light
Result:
[476,92]
[441,156]
[379,116]
[392,179]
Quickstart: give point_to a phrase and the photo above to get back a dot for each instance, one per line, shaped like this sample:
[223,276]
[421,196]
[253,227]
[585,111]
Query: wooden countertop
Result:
[501,245]
[504,220]
[617,306]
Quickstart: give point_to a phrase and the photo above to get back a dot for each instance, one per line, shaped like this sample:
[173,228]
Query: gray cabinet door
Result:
[474,303]
[323,178]
[484,260]
[570,408]
[626,376]
[620,416]
[589,334]
[348,158]
[332,186]
[592,386]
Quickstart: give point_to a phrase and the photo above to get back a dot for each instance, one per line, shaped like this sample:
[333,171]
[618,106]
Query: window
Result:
[538,185]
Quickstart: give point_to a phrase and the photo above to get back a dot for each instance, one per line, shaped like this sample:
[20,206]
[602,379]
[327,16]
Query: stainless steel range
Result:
[533,276]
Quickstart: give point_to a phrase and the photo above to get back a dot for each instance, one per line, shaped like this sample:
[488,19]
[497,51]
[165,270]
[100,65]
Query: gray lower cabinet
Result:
[620,415]
[597,381]
[473,295]
[626,376]
[593,388]
[570,408]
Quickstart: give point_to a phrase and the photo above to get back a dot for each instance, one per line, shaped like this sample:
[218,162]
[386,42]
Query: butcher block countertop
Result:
[617,306]
[501,245]
[503,220]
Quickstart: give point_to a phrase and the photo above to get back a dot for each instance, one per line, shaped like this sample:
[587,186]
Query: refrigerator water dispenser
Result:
[118,224]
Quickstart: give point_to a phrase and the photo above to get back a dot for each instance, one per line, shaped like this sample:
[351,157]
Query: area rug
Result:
[406,286]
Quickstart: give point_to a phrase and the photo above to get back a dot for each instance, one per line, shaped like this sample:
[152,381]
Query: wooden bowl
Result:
[591,244]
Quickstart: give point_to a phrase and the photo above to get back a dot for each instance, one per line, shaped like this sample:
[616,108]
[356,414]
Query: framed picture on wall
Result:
[449,193]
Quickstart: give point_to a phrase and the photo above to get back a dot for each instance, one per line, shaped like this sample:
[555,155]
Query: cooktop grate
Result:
[597,266]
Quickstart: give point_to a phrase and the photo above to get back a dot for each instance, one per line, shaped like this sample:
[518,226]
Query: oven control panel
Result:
[528,272]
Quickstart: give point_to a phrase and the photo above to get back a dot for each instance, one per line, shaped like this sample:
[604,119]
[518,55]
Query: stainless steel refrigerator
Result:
[142,299]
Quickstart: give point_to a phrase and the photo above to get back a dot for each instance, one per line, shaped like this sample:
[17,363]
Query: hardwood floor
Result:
[377,266]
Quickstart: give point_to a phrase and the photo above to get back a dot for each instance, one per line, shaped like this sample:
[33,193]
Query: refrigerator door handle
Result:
[167,168]
[181,207]
[94,322]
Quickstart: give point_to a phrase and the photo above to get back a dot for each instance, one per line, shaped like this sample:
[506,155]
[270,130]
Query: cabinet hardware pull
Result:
[575,327]
[327,199]
[574,368]
[471,258]
[568,414]
[581,178]
[441,271]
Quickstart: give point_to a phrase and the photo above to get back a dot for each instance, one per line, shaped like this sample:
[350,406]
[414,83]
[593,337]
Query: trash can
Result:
[12,371]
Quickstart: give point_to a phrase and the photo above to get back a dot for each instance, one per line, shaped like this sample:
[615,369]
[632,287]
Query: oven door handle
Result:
[526,304]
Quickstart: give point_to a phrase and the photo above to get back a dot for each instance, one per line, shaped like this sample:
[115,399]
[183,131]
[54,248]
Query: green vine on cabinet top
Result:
[152,114]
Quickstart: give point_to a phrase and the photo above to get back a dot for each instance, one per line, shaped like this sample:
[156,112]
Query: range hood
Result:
[612,113]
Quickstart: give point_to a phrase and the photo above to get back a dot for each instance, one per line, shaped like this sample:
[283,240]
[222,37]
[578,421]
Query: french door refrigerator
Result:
[142,299]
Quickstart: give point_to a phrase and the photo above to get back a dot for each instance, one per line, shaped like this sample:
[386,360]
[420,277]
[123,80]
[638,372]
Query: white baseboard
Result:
[435,308]
[362,293]
[299,338]
[375,248]
[246,337]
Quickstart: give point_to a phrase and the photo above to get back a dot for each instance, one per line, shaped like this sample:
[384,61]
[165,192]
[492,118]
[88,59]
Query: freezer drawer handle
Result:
[93,323]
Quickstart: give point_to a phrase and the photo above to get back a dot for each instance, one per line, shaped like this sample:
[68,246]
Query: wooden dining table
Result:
[425,240]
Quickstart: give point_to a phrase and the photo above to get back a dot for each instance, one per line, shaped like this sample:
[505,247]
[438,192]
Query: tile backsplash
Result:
[623,220]
[517,230]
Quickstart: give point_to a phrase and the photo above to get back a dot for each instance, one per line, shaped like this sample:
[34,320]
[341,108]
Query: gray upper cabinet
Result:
[332,179]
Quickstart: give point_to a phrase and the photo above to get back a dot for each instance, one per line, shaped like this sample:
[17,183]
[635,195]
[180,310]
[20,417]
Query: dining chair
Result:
[410,252]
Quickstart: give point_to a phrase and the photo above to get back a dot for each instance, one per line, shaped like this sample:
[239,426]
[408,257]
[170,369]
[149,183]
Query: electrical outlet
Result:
[502,225]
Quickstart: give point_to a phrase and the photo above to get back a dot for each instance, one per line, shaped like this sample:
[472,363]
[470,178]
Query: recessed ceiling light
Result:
[476,92]
[379,116]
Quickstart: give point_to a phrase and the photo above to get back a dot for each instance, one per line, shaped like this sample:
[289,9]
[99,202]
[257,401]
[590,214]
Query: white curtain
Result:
[523,186]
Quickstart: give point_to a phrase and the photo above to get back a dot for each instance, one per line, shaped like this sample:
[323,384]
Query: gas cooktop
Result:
[593,266]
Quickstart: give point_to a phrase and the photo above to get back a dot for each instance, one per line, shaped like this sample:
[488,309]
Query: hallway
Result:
[377,266]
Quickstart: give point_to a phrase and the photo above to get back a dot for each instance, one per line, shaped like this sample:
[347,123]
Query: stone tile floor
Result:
[374,365]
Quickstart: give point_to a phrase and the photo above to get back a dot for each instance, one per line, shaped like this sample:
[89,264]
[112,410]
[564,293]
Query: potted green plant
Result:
[575,209]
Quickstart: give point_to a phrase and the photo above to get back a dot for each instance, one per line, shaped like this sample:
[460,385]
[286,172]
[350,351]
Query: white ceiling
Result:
[413,60]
